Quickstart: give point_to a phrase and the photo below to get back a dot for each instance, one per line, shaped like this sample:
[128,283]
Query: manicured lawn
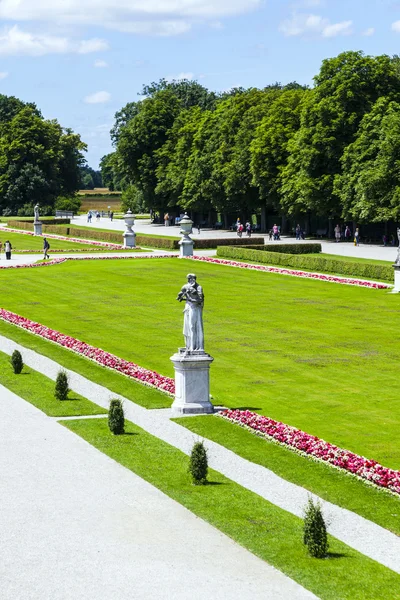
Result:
[39,391]
[316,355]
[269,532]
[115,382]
[328,483]
[30,242]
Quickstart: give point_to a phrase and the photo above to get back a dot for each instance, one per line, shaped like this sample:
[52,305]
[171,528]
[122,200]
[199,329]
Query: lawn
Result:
[39,391]
[315,355]
[29,242]
[266,530]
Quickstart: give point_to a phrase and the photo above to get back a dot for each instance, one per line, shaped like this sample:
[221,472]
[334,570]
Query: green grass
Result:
[119,384]
[315,355]
[39,391]
[266,530]
[328,483]
[35,243]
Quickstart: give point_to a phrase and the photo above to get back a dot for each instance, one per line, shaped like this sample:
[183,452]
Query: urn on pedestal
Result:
[129,235]
[186,242]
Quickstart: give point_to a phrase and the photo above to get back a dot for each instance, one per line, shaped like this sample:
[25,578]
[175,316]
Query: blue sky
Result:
[82,60]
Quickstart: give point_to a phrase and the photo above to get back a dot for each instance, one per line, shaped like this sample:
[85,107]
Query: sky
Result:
[81,61]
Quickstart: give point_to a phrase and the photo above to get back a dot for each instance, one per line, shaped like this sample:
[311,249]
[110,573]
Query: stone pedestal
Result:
[37,227]
[192,382]
[186,246]
[129,239]
[396,288]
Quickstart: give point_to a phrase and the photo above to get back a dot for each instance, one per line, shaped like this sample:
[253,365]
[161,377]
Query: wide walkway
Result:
[359,533]
[75,524]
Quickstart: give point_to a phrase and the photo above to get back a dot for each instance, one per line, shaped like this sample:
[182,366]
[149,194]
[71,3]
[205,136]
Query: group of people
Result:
[90,215]
[8,249]
[240,228]
[347,234]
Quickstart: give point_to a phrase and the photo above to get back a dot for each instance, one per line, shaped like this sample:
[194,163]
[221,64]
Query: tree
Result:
[61,389]
[16,362]
[315,536]
[116,418]
[369,186]
[198,464]
[189,93]
[346,89]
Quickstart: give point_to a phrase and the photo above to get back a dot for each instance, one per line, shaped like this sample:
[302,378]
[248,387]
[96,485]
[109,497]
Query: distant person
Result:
[89,217]
[248,229]
[275,231]
[391,241]
[198,228]
[298,231]
[239,228]
[347,233]
[111,215]
[7,249]
[357,237]
[98,216]
[270,233]
[46,248]
[337,233]
[384,239]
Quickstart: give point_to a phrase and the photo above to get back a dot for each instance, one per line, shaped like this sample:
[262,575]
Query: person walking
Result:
[7,249]
[298,231]
[111,215]
[248,229]
[347,234]
[89,217]
[275,231]
[46,247]
[356,237]
[337,233]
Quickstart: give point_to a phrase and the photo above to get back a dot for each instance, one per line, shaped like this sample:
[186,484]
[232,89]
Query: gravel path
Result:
[76,524]
[359,533]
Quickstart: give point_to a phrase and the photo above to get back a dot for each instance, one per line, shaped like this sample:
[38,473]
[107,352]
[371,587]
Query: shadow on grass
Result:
[333,555]
[247,408]
[213,483]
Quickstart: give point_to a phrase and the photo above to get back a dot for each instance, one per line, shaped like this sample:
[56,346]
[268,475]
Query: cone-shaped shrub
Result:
[315,536]
[17,362]
[116,419]
[61,389]
[198,464]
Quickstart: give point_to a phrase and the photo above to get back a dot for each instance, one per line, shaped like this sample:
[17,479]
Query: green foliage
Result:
[72,203]
[61,389]
[290,248]
[310,263]
[116,419]
[132,199]
[315,536]
[198,464]
[16,362]
[90,178]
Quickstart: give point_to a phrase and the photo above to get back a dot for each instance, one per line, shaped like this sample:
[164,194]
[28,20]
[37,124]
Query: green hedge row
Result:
[310,263]
[307,248]
[28,223]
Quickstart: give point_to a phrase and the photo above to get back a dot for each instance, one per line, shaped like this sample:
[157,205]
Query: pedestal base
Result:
[396,288]
[185,247]
[129,239]
[192,383]
[37,227]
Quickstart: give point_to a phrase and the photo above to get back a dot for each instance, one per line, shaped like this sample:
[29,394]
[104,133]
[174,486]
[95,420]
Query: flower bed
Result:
[306,274]
[103,358]
[367,470]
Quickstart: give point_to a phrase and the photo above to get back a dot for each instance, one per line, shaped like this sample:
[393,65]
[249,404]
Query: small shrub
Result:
[61,389]
[198,464]
[17,362]
[116,418]
[315,535]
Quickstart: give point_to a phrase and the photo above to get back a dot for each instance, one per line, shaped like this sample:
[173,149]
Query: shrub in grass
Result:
[17,362]
[61,389]
[198,464]
[116,418]
[315,535]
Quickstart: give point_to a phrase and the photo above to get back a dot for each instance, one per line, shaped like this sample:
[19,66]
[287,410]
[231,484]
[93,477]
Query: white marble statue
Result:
[193,331]
[36,209]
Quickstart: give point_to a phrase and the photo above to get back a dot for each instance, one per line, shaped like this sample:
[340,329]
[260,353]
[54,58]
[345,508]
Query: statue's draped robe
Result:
[193,320]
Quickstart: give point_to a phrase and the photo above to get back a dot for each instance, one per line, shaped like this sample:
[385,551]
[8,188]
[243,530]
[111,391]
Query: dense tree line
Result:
[90,178]
[39,160]
[330,151]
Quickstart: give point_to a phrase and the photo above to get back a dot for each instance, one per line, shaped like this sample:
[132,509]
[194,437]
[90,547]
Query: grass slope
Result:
[266,530]
[315,355]
[39,391]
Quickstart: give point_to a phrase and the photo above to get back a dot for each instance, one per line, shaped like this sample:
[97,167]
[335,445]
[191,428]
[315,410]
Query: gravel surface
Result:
[359,533]
[76,524]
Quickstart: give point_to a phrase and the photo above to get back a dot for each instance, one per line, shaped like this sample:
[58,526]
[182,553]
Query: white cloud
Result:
[157,17]
[98,98]
[180,77]
[14,41]
[396,26]
[3,74]
[100,64]
[368,32]
[306,25]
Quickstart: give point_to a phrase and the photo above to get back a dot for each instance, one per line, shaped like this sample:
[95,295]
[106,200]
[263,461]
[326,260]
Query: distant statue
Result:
[193,331]
[36,209]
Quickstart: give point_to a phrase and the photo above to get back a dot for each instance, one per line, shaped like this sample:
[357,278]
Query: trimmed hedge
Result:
[28,223]
[309,263]
[204,243]
[291,248]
